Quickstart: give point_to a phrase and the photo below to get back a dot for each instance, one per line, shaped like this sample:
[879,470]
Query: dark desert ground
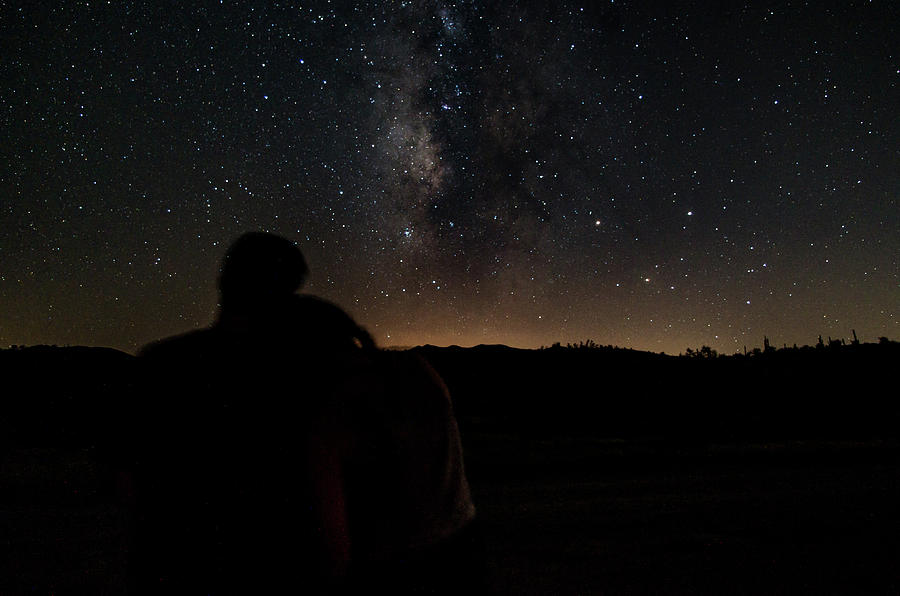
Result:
[596,470]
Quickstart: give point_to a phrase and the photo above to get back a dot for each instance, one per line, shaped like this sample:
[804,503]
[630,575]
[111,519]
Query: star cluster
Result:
[457,172]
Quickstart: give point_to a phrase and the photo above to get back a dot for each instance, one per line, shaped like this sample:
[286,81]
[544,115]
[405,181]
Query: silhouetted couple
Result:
[281,452]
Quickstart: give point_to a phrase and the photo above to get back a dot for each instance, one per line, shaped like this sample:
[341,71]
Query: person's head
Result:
[260,269]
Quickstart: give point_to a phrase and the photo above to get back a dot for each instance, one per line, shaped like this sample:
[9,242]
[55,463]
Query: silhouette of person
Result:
[390,494]
[282,450]
[408,500]
[219,495]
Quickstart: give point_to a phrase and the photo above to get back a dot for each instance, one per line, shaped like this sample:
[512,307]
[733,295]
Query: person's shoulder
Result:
[318,306]
[192,342]
[324,322]
[407,362]
[410,376]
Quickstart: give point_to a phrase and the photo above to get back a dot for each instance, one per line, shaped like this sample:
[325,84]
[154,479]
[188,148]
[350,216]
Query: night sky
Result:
[457,172]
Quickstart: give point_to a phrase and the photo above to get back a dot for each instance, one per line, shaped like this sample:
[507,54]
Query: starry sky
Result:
[648,175]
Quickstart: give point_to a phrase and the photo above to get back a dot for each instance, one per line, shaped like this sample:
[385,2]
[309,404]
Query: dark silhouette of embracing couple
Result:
[279,451]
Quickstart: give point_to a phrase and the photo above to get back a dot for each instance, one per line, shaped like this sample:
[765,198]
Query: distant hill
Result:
[54,395]
[837,390]
[61,395]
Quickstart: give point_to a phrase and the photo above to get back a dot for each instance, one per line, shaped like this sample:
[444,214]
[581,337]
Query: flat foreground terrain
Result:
[566,516]
[561,516]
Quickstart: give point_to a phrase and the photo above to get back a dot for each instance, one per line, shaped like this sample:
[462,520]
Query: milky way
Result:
[457,172]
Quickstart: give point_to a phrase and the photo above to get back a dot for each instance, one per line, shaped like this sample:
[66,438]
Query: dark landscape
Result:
[596,470]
